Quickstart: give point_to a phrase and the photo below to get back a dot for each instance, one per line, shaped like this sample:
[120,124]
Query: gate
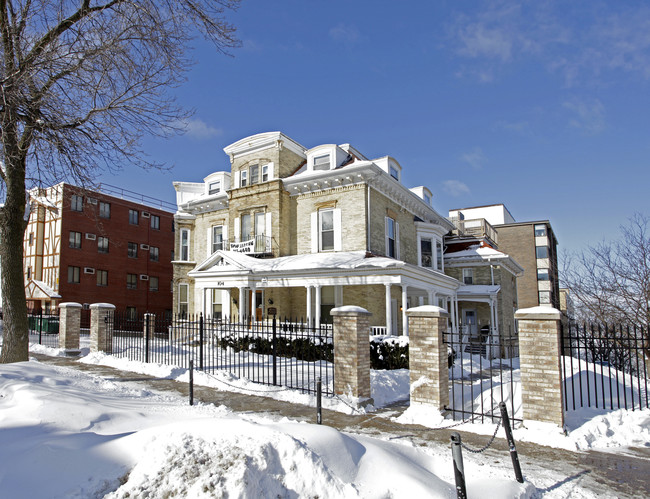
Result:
[481,375]
[605,366]
[269,351]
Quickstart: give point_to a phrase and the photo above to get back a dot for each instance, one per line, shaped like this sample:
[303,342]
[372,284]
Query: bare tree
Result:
[81,83]
[610,282]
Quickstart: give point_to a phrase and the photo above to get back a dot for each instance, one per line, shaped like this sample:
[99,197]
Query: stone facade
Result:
[69,325]
[100,339]
[428,367]
[351,353]
[541,375]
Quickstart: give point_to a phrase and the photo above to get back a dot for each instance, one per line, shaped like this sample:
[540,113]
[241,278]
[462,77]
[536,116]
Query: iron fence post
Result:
[191,382]
[201,341]
[319,407]
[146,338]
[40,327]
[275,353]
[459,469]
[511,442]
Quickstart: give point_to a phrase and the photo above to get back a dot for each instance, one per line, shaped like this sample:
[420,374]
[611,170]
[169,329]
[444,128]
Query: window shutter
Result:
[237,229]
[397,240]
[236,179]
[337,229]
[314,232]
[270,165]
[209,246]
[226,238]
[386,235]
[268,233]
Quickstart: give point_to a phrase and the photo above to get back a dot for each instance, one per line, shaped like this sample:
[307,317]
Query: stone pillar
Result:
[69,327]
[101,336]
[541,374]
[352,353]
[428,357]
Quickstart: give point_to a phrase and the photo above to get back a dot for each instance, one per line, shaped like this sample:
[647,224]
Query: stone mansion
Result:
[297,231]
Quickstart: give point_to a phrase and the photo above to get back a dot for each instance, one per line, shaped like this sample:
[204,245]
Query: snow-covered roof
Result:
[479,254]
[478,289]
[39,290]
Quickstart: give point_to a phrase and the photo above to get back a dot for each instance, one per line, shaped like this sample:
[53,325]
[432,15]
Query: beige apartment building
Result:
[297,231]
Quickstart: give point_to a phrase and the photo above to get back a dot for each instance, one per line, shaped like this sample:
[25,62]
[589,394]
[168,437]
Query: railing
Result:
[44,329]
[477,227]
[605,366]
[270,351]
[256,245]
[377,330]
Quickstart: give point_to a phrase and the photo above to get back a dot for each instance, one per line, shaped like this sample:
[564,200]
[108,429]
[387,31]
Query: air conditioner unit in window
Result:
[91,237]
[144,247]
[89,270]
[144,277]
[145,214]
[92,201]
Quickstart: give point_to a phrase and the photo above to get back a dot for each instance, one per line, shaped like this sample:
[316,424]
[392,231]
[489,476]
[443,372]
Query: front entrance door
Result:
[469,320]
[259,304]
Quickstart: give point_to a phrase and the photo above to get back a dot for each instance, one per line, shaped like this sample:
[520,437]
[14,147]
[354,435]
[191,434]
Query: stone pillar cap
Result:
[539,313]
[70,304]
[102,305]
[349,309]
[427,311]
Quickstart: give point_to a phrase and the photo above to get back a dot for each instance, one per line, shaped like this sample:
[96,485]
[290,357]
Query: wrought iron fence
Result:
[482,373]
[269,351]
[605,366]
[44,328]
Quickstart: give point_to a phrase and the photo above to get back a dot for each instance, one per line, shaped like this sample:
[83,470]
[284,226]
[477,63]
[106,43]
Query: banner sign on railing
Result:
[243,247]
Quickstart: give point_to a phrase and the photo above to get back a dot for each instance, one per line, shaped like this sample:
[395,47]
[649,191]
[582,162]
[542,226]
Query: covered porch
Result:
[309,286]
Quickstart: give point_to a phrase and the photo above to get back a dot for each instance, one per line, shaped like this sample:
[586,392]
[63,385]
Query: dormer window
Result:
[214,187]
[322,162]
[394,172]
[427,199]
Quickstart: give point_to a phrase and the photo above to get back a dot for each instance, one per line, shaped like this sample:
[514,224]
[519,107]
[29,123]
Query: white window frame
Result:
[321,215]
[319,165]
[432,242]
[468,275]
[440,261]
[184,244]
[254,174]
[214,187]
[316,224]
[183,306]
[213,243]
[395,238]
[264,174]
[243,178]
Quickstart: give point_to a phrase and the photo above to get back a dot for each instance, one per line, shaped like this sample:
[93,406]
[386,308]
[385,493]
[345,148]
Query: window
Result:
[102,244]
[131,281]
[322,162]
[541,251]
[31,238]
[427,199]
[243,180]
[29,272]
[153,283]
[131,313]
[394,173]
[265,173]
[255,174]
[102,278]
[426,253]
[183,293]
[73,274]
[542,275]
[104,210]
[326,226]
[214,187]
[217,238]
[154,253]
[155,222]
[544,297]
[133,250]
[246,227]
[468,276]
[439,259]
[75,239]
[133,217]
[76,203]
[540,230]
[185,245]
[392,231]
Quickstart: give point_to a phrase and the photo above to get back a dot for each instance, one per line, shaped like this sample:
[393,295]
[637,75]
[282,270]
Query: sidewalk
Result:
[607,474]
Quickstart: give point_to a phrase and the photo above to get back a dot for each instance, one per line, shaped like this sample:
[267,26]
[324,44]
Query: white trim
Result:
[337,229]
[315,232]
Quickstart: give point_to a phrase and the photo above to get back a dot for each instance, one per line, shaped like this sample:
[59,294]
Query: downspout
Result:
[368,217]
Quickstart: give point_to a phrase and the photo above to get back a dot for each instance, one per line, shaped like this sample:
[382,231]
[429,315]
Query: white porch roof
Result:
[477,292]
[38,290]
[232,269]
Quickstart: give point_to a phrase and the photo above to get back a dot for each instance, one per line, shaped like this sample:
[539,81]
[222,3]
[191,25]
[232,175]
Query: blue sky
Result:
[543,105]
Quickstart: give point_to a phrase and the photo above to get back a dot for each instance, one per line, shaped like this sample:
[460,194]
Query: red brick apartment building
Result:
[98,247]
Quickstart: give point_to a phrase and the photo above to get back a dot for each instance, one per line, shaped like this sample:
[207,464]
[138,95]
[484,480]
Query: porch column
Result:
[389,311]
[253,311]
[242,304]
[431,297]
[457,316]
[405,324]
[420,301]
[318,304]
[309,305]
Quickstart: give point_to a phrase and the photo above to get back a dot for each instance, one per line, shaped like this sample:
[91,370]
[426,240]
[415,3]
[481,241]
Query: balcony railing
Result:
[478,227]
[258,245]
